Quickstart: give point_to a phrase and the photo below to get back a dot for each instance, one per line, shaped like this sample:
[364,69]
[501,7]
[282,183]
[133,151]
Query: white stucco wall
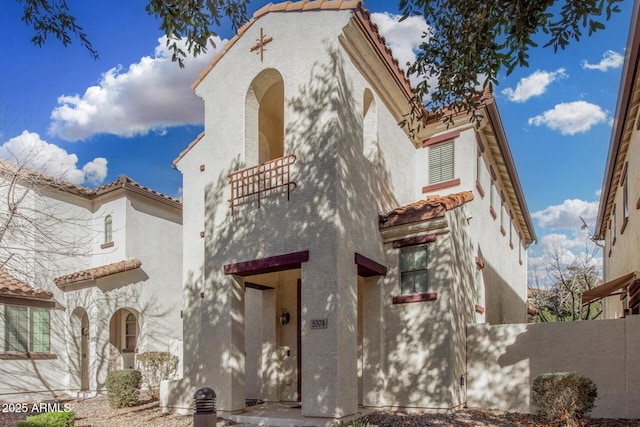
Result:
[621,258]
[142,228]
[503,360]
[413,356]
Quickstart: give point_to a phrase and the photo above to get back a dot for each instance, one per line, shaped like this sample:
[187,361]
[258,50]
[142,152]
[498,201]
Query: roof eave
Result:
[496,123]
[625,94]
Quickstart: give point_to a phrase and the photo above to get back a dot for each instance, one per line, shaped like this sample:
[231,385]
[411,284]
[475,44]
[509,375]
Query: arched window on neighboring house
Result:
[131,332]
[108,229]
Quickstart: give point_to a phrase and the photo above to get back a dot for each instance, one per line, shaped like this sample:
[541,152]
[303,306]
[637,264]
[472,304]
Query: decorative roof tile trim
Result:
[423,210]
[123,181]
[186,150]
[15,288]
[127,183]
[357,6]
[98,272]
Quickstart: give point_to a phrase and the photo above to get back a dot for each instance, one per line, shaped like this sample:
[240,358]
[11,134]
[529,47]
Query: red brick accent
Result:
[267,265]
[406,299]
[441,138]
[492,212]
[441,185]
[368,267]
[479,188]
[412,241]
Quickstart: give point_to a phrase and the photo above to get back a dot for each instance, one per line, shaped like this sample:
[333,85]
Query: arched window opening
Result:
[264,118]
[131,332]
[108,229]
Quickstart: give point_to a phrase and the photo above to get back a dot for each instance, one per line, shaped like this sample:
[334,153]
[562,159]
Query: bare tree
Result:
[556,292]
[39,229]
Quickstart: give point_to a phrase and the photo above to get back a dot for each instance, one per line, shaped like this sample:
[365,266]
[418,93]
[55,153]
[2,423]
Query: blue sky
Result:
[132,111]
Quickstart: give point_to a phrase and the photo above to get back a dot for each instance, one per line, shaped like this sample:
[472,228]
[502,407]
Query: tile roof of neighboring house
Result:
[15,288]
[36,178]
[97,272]
[423,210]
[125,182]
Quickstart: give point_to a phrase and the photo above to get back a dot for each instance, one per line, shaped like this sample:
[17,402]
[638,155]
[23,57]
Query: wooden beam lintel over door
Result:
[272,264]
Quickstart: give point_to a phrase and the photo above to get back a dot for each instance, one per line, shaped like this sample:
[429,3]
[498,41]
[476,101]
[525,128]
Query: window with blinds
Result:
[441,162]
[16,329]
[27,329]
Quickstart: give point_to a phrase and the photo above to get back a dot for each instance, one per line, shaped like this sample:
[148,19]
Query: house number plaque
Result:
[319,323]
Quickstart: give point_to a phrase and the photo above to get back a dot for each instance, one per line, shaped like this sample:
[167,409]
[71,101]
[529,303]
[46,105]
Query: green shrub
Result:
[123,387]
[50,419]
[564,396]
[157,366]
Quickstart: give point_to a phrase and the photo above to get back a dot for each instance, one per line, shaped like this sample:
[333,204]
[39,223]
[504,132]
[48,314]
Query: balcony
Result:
[257,182]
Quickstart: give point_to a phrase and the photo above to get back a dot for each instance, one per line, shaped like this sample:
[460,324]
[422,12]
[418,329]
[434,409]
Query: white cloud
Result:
[571,117]
[403,37]
[152,94]
[558,251]
[29,150]
[567,215]
[534,85]
[95,171]
[610,59]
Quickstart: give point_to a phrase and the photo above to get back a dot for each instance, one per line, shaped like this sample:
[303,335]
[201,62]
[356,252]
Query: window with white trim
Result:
[26,329]
[441,162]
[414,271]
[108,229]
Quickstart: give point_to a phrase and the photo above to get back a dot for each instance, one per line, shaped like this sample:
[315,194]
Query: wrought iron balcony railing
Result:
[256,182]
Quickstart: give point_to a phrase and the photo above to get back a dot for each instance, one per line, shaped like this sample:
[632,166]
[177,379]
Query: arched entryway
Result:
[124,331]
[80,330]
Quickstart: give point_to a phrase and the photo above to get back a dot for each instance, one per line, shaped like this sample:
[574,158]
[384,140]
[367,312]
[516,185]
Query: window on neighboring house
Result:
[27,329]
[614,225]
[108,229]
[414,273]
[441,165]
[131,332]
[625,199]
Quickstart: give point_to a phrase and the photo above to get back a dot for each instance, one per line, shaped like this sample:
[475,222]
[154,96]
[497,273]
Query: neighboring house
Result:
[109,291]
[331,258]
[619,212]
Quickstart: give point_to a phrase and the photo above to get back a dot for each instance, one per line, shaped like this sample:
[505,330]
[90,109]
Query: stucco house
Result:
[332,257]
[107,288]
[619,211]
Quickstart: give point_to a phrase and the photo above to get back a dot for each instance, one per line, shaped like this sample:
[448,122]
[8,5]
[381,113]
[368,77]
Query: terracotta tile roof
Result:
[186,150]
[125,182]
[362,15]
[97,272]
[423,210]
[12,287]
[32,177]
[27,175]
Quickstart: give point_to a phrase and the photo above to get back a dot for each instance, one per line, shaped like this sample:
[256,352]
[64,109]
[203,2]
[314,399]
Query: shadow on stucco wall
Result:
[338,197]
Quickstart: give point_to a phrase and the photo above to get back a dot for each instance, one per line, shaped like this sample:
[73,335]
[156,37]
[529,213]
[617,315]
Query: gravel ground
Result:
[96,412]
